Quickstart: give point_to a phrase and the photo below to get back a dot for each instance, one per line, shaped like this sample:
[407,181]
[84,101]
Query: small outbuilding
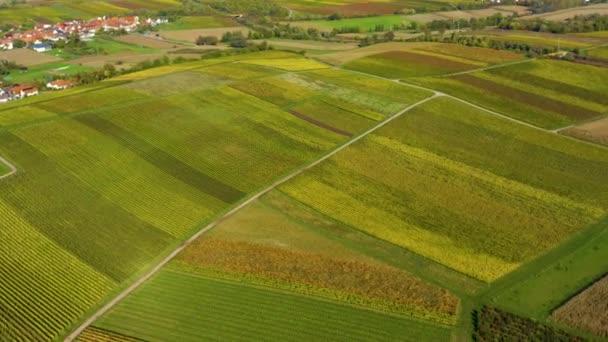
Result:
[42,47]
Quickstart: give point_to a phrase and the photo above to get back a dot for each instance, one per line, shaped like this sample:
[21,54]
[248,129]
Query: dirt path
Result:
[205,229]
[10,166]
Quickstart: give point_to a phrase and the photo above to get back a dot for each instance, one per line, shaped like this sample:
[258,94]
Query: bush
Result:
[207,40]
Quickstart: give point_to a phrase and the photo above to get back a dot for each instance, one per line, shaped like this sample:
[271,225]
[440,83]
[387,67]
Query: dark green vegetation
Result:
[237,312]
[496,325]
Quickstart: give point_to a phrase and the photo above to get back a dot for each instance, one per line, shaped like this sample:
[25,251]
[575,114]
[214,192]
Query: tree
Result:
[18,44]
[206,40]
[390,36]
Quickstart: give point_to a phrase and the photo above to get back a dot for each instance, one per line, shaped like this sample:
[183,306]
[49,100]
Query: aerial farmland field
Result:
[429,61]
[547,93]
[303,170]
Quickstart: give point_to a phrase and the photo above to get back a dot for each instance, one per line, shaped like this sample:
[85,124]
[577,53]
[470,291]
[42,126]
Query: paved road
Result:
[157,268]
[10,166]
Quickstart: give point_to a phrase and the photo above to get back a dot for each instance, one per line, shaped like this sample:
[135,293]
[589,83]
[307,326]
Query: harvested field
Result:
[191,35]
[588,310]
[562,15]
[595,131]
[121,60]
[455,15]
[28,57]
[150,42]
[343,57]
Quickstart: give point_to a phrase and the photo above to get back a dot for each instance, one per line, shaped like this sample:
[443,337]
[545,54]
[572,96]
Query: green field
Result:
[601,52]
[368,24]
[358,9]
[4,169]
[186,307]
[548,93]
[112,181]
[542,286]
[388,186]
[44,72]
[105,45]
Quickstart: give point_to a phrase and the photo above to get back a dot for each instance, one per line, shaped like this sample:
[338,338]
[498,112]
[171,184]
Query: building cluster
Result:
[85,29]
[21,91]
[17,92]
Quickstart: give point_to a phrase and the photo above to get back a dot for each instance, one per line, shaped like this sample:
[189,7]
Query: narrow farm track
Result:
[208,227]
[10,166]
[495,66]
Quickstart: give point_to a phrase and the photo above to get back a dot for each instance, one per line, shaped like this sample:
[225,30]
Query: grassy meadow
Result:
[171,302]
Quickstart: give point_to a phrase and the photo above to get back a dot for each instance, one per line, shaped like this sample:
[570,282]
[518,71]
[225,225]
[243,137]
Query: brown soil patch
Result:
[150,42]
[541,102]
[596,131]
[28,57]
[191,35]
[378,8]
[320,124]
[121,60]
[342,57]
[552,36]
[562,15]
[588,310]
[481,13]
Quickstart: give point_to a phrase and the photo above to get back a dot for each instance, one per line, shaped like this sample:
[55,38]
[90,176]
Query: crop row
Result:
[354,281]
[176,305]
[542,98]
[430,204]
[65,287]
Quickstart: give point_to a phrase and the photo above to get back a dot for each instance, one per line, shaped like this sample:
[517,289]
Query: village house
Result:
[20,91]
[59,84]
[127,23]
[42,47]
[6,44]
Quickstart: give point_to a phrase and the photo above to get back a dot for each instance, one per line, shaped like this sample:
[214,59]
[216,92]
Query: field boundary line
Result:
[10,166]
[104,309]
[495,66]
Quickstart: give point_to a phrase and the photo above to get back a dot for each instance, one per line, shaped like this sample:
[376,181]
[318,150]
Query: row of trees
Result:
[580,23]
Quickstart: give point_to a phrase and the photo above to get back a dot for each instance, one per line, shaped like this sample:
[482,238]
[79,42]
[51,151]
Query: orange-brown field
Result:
[588,310]
[595,131]
[191,35]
